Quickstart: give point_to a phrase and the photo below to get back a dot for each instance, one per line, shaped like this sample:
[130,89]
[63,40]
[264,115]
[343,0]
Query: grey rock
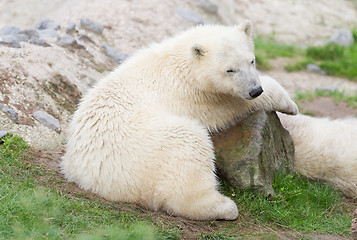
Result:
[68,41]
[22,37]
[10,41]
[251,152]
[40,42]
[314,68]
[47,120]
[113,54]
[3,133]
[85,38]
[47,24]
[9,30]
[91,25]
[11,113]
[342,37]
[48,34]
[71,28]
[189,15]
[208,6]
[30,33]
[326,88]
[2,136]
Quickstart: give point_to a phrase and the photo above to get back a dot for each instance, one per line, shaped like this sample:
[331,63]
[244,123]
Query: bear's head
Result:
[223,60]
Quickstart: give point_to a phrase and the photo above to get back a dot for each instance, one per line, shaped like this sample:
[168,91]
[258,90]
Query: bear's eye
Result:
[230,71]
[252,62]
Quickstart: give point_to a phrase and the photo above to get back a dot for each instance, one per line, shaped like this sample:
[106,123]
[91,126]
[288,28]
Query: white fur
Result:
[325,149]
[142,134]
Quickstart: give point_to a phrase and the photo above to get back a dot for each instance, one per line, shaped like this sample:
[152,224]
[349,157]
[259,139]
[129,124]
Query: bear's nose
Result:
[256,92]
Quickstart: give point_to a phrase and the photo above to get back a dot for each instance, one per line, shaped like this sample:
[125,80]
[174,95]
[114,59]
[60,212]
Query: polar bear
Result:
[141,135]
[325,149]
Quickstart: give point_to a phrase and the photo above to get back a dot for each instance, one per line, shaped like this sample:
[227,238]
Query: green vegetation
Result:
[33,208]
[300,204]
[268,48]
[29,211]
[331,58]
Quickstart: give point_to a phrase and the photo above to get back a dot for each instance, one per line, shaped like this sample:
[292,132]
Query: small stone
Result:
[326,89]
[47,120]
[83,37]
[30,33]
[313,68]
[68,41]
[22,37]
[113,54]
[91,26]
[9,30]
[11,113]
[189,15]
[208,6]
[48,34]
[2,136]
[342,37]
[47,24]
[71,28]
[40,42]
[10,41]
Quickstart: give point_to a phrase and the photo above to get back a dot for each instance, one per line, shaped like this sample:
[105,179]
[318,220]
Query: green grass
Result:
[29,211]
[300,204]
[32,209]
[268,48]
[332,59]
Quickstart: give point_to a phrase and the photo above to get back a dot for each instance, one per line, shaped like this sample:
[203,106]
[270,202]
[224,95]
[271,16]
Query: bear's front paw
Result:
[288,107]
[291,108]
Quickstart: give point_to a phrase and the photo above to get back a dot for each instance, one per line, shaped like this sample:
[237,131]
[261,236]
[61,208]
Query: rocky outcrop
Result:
[252,151]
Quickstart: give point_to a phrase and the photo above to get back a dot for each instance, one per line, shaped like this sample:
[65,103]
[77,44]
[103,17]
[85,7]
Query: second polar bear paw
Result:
[290,108]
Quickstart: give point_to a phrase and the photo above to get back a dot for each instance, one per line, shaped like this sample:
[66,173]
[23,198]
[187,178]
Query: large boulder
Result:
[252,151]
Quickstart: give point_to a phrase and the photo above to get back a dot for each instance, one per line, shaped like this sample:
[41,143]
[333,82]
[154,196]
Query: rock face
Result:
[249,153]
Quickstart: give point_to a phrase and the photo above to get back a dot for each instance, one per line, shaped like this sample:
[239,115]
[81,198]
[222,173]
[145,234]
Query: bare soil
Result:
[327,107]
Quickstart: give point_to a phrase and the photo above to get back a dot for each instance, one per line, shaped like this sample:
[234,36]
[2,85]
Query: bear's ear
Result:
[198,51]
[246,27]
